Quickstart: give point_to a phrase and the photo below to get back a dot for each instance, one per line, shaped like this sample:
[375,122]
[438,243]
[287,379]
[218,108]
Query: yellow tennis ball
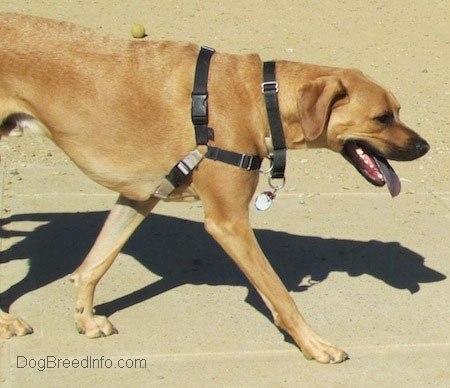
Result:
[138,31]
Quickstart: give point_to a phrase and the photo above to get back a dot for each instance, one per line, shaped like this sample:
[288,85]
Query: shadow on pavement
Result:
[181,252]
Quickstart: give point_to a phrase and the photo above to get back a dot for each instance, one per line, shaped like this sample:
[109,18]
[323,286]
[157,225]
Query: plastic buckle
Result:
[192,159]
[164,189]
[185,167]
[199,112]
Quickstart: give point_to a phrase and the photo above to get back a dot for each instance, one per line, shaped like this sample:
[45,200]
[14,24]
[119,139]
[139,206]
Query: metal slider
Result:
[270,86]
[246,162]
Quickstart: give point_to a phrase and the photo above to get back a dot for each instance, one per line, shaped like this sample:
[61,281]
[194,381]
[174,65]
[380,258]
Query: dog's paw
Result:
[95,326]
[323,352]
[329,355]
[11,326]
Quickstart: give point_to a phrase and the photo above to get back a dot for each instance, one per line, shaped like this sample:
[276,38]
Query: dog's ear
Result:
[315,102]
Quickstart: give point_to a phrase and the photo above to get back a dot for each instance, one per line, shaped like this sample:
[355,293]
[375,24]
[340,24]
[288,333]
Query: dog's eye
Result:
[385,119]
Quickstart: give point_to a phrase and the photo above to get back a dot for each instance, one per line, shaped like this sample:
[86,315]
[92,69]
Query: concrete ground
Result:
[368,272]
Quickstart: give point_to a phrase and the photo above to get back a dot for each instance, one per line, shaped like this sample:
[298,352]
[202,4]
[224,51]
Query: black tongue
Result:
[390,177]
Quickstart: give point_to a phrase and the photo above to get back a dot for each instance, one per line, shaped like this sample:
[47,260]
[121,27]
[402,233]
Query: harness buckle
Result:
[164,189]
[191,161]
[270,86]
[178,174]
[199,112]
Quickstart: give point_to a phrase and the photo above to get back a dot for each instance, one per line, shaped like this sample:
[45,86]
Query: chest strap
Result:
[244,161]
[199,108]
[199,115]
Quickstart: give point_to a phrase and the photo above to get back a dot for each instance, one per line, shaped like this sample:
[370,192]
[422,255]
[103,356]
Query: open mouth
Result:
[372,166]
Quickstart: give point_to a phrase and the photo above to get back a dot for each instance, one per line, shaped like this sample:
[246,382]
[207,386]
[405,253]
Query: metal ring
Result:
[275,187]
[270,165]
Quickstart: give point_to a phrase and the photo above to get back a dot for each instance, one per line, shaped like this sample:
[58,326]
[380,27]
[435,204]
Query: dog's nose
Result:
[422,147]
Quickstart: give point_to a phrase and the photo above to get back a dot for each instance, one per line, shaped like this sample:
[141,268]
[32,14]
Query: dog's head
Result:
[359,119]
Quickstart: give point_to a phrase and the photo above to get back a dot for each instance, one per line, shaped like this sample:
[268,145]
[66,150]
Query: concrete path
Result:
[374,283]
[368,272]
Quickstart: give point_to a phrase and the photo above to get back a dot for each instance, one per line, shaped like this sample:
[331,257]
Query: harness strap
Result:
[199,109]
[199,115]
[245,161]
[270,89]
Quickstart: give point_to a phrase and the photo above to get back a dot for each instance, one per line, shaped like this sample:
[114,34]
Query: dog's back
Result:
[91,93]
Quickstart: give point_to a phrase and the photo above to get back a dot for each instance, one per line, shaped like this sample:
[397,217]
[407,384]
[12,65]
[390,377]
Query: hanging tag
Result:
[264,200]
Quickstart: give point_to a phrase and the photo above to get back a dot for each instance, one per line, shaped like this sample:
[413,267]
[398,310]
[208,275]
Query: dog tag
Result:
[264,200]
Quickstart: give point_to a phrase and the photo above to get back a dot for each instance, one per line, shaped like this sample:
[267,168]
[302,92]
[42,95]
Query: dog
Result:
[121,110]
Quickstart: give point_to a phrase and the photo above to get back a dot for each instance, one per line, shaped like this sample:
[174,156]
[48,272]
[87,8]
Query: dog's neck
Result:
[298,74]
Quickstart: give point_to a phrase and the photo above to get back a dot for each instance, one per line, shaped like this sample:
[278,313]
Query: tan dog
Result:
[121,111]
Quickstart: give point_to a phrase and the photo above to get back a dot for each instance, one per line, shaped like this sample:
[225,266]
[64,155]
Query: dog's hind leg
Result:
[122,221]
[12,325]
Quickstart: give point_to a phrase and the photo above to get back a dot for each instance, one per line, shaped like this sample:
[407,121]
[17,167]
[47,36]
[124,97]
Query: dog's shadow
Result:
[181,252]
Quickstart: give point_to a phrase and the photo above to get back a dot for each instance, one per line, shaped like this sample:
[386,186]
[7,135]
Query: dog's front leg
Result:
[227,220]
[122,221]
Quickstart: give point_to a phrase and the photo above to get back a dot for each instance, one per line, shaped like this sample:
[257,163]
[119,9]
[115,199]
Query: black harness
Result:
[203,134]
[270,89]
